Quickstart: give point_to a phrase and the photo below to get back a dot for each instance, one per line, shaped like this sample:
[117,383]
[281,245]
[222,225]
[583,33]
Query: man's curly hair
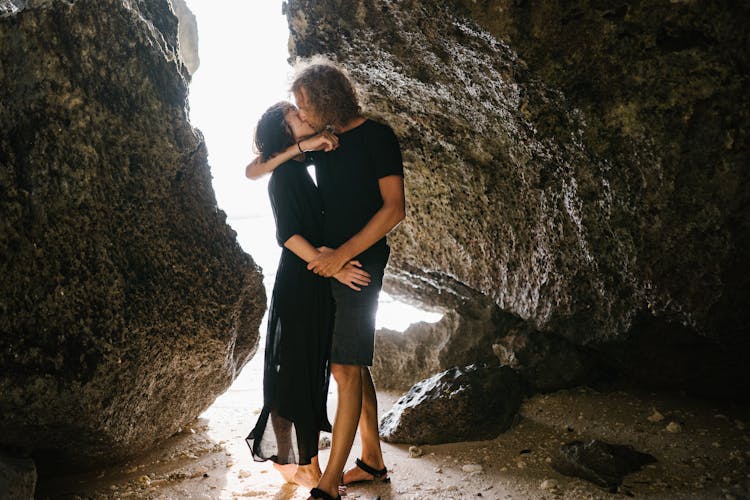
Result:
[329,91]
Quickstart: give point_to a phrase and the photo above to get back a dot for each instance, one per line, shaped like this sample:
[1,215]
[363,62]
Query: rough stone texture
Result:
[601,463]
[471,403]
[583,164]
[187,35]
[461,337]
[545,362]
[17,477]
[126,304]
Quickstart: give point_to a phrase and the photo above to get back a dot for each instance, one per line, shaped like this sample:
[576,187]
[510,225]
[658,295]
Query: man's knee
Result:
[346,374]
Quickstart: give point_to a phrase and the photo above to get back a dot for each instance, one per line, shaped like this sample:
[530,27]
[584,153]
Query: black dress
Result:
[298,341]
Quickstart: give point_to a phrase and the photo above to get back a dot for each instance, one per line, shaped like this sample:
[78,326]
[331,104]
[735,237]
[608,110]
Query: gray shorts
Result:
[354,324]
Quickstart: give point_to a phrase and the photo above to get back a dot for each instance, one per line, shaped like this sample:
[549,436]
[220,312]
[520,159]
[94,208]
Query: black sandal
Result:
[318,493]
[377,474]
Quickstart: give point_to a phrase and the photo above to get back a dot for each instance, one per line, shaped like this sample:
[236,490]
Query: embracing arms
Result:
[324,141]
[390,214]
[351,273]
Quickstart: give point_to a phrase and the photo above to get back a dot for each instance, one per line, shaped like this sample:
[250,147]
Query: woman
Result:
[298,341]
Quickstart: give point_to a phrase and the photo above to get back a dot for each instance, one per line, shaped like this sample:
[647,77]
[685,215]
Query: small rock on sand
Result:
[656,416]
[549,484]
[324,443]
[415,452]
[674,427]
[472,468]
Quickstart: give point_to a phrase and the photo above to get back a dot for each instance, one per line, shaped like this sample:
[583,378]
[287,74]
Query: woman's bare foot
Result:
[287,471]
[308,476]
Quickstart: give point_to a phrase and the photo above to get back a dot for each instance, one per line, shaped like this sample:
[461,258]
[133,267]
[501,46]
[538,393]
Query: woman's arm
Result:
[324,141]
[350,274]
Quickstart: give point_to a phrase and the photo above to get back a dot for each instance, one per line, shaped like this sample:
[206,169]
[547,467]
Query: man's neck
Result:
[353,123]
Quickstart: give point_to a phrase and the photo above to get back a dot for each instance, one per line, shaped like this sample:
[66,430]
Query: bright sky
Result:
[243,70]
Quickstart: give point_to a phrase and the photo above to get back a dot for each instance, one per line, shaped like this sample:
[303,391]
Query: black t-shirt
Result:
[348,182]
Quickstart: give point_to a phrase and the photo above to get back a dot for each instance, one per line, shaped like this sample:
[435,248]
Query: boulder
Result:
[461,337]
[126,304]
[471,403]
[581,164]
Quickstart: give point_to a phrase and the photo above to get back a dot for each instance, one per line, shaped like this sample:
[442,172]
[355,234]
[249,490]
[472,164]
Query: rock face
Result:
[461,337]
[460,404]
[126,305]
[581,165]
[187,35]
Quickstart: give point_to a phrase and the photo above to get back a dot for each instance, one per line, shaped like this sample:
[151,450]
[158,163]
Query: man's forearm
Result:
[376,228]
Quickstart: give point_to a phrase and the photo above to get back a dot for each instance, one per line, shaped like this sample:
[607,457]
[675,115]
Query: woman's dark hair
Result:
[272,134]
[330,91]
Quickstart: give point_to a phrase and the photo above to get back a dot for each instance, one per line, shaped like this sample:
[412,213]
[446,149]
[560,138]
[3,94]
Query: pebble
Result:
[144,480]
[674,427]
[715,444]
[656,416]
[415,452]
[549,484]
[472,468]
[438,470]
[244,474]
[740,425]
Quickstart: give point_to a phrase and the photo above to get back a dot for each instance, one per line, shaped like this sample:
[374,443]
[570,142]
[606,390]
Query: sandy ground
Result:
[707,455]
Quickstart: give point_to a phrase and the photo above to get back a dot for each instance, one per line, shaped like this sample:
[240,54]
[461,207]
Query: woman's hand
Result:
[323,141]
[352,275]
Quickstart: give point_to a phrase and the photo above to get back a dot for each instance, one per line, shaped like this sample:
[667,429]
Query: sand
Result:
[702,448]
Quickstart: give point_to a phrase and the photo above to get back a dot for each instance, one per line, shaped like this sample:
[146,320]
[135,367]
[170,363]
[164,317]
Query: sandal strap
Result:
[377,474]
[318,493]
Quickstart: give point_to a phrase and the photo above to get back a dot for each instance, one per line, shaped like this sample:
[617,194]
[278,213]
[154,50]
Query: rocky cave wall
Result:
[583,165]
[126,304]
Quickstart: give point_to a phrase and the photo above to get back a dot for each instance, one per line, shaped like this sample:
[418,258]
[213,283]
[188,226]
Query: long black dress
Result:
[298,341]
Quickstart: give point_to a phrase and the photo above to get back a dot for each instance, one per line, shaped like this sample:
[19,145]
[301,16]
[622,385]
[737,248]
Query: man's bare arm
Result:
[390,214]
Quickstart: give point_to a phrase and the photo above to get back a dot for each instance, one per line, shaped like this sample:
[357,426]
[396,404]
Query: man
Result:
[362,188]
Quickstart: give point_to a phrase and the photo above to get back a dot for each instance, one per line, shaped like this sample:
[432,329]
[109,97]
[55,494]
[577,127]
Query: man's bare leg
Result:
[349,381]
[372,454]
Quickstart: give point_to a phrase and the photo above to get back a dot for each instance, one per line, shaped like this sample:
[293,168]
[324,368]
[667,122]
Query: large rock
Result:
[469,403]
[603,464]
[580,164]
[461,337]
[126,304]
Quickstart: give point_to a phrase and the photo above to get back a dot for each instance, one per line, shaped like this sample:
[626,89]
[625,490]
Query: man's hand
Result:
[327,263]
[353,276]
